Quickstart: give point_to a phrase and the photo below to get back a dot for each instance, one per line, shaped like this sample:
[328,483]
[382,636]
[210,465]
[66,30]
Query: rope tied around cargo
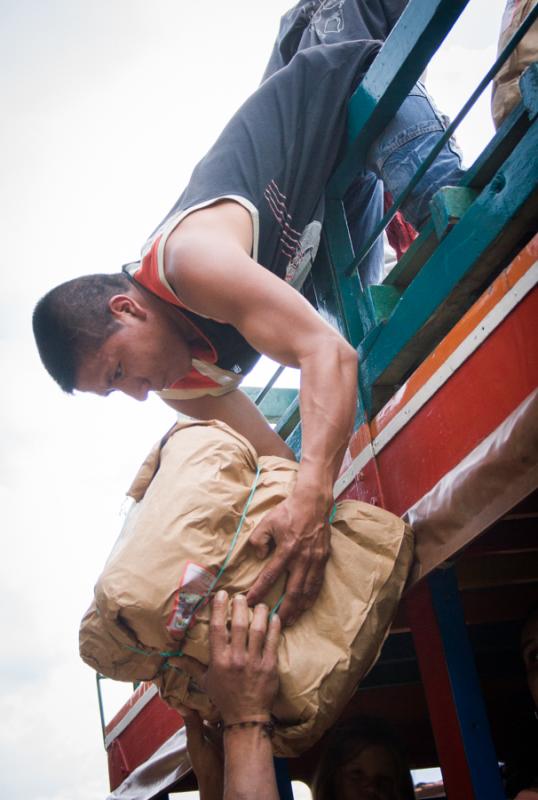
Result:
[205,598]
[166,654]
[283,595]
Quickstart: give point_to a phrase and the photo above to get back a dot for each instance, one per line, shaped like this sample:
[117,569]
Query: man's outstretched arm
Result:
[208,265]
[242,682]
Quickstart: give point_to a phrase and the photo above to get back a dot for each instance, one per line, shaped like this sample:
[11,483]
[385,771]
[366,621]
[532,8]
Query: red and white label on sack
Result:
[192,595]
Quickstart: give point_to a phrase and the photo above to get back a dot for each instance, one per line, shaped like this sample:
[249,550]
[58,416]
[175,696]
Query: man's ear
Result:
[123,305]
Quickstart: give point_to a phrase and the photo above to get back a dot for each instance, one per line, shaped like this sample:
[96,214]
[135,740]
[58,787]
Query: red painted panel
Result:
[487,387]
[151,727]
[365,486]
[470,321]
[126,708]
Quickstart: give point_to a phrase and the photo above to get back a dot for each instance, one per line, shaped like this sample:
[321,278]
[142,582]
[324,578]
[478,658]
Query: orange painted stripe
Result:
[468,323]
[360,439]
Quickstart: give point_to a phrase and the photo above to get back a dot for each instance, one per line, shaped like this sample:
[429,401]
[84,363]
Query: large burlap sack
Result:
[505,93]
[196,492]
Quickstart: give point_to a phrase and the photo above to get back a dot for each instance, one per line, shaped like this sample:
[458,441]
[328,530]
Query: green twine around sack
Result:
[278,603]
[178,653]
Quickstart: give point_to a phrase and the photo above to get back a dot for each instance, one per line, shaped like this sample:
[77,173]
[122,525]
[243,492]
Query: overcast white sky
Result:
[107,107]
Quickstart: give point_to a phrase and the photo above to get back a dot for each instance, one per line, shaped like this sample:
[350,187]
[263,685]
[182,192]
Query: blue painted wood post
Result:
[283,781]
[460,725]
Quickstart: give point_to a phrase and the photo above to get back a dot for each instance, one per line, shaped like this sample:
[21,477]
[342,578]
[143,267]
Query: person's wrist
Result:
[257,726]
[316,494]
[236,719]
[210,780]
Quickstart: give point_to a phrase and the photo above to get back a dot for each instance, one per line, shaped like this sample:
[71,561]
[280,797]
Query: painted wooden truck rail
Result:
[446,435]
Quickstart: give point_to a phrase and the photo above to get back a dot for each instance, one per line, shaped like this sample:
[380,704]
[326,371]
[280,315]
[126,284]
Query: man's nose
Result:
[136,388]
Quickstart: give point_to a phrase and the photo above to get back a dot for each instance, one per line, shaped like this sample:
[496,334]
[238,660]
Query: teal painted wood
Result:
[269,385]
[326,295]
[509,134]
[275,403]
[528,85]
[471,254]
[345,290]
[477,176]
[424,166]
[293,436]
[402,59]
[448,206]
[413,258]
[288,420]
[294,441]
[368,342]
[336,300]
[377,304]
[339,299]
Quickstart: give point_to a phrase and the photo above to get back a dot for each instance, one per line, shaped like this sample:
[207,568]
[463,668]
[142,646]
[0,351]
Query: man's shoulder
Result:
[226,218]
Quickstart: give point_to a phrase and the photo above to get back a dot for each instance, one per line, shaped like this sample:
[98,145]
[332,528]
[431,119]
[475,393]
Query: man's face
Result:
[146,353]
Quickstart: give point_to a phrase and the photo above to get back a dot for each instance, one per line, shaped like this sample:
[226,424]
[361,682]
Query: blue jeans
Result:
[392,161]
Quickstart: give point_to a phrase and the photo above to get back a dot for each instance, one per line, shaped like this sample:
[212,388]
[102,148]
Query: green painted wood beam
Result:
[477,176]
[528,86]
[345,289]
[294,441]
[275,403]
[414,258]
[289,419]
[448,206]
[501,219]
[397,67]
[326,296]
[291,430]
[376,304]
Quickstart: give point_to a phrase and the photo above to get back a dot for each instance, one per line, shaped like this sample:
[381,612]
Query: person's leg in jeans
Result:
[395,157]
[398,152]
[363,204]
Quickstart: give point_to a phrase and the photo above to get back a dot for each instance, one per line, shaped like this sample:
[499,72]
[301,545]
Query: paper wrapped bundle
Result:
[198,497]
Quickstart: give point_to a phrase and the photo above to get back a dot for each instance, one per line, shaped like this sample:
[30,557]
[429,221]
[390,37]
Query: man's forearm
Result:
[249,772]
[210,787]
[328,399]
[300,524]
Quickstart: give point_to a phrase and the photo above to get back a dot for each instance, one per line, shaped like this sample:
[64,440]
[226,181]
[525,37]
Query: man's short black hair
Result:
[74,320]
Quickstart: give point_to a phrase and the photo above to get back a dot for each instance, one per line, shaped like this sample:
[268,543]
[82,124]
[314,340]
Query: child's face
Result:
[369,775]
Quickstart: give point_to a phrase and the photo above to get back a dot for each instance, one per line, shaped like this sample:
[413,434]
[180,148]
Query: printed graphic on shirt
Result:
[301,264]
[329,18]
[192,594]
[290,239]
[299,248]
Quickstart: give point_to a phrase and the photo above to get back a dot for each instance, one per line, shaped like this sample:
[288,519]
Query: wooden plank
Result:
[468,760]
[479,174]
[472,253]
[403,58]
